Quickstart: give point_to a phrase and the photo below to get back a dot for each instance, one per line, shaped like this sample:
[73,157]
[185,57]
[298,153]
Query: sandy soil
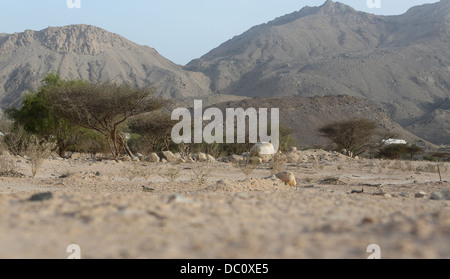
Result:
[97,206]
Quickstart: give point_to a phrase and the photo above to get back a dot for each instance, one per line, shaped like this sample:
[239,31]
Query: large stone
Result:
[210,158]
[140,156]
[75,156]
[153,158]
[440,195]
[201,157]
[263,150]
[168,156]
[287,177]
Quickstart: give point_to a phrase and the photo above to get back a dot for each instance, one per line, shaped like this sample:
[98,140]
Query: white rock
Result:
[263,150]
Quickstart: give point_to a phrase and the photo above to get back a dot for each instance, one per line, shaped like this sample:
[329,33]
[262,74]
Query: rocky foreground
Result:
[337,208]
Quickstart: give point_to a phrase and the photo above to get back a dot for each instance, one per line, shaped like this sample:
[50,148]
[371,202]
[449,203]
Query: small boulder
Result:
[168,156]
[263,150]
[75,156]
[126,158]
[441,195]
[287,177]
[420,195]
[201,157]
[210,158]
[41,197]
[153,158]
[140,156]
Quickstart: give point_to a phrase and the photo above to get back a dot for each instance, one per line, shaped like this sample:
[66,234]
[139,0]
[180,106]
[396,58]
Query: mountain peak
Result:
[330,8]
[81,39]
[78,39]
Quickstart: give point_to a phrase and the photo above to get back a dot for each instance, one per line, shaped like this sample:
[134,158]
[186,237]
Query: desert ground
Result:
[339,207]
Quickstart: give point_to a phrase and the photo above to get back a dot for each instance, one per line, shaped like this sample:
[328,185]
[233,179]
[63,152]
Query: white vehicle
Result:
[393,141]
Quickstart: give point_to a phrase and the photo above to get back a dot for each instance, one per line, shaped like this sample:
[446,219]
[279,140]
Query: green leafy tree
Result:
[36,117]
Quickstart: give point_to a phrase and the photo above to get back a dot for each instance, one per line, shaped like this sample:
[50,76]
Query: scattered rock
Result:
[168,156]
[140,156]
[41,197]
[236,158]
[358,191]
[420,195]
[147,189]
[178,199]
[153,158]
[292,149]
[75,156]
[210,158]
[125,158]
[332,181]
[97,173]
[135,159]
[287,177]
[263,150]
[201,157]
[441,195]
[255,160]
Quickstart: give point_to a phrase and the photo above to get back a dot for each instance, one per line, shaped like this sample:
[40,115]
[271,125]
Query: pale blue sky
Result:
[180,30]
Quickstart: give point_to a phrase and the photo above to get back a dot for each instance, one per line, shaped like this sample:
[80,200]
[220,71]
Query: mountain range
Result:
[399,65]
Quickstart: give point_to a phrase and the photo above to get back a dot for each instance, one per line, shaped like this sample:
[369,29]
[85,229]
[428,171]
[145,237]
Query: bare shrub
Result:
[247,166]
[170,173]
[278,163]
[8,167]
[37,151]
[201,172]
[136,169]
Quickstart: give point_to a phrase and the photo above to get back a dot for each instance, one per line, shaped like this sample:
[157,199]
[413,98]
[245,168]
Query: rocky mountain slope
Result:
[91,53]
[306,115]
[398,63]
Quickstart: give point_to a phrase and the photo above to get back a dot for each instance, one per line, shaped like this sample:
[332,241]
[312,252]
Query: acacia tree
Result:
[103,107]
[155,130]
[354,135]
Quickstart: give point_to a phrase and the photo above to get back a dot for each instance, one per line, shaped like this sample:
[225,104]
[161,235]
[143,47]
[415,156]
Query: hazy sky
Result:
[180,30]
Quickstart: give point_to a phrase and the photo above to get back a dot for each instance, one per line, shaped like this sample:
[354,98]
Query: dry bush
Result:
[137,169]
[427,168]
[8,167]
[170,173]
[247,166]
[201,172]
[278,163]
[332,180]
[37,151]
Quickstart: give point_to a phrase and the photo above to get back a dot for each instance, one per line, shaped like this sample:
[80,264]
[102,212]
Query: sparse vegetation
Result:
[354,135]
[278,163]
[8,167]
[201,172]
[247,166]
[171,173]
[137,169]
[37,151]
